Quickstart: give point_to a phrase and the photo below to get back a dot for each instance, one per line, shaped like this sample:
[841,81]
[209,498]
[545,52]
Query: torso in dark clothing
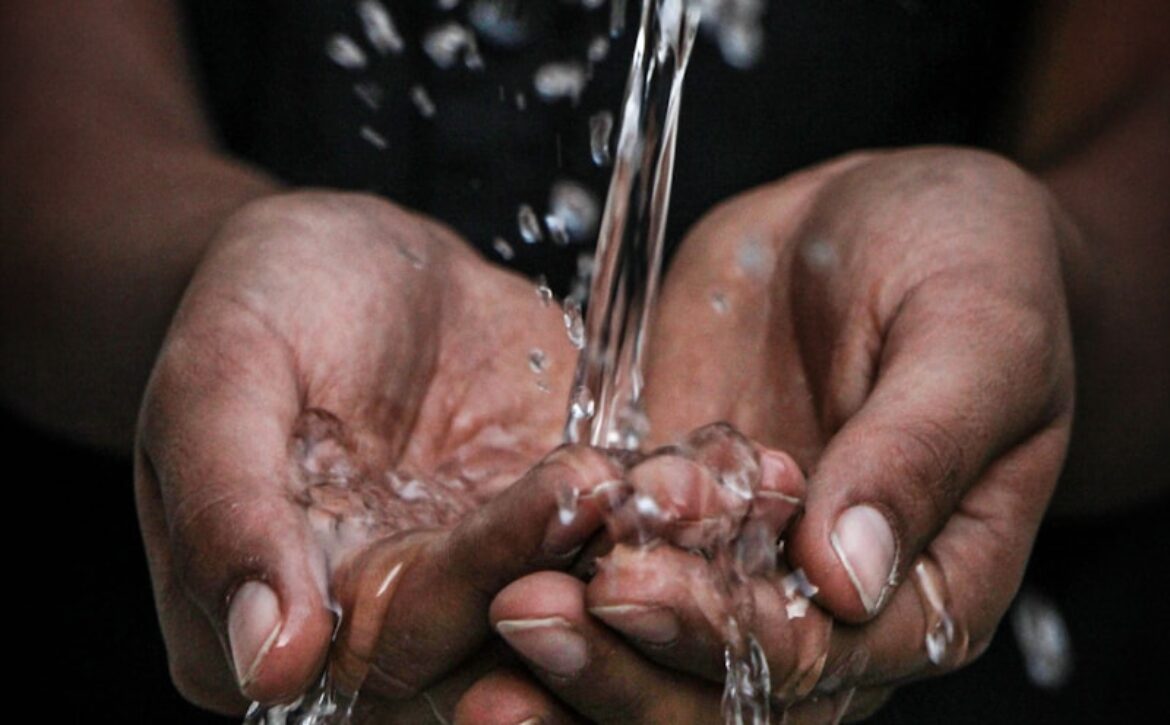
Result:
[835,76]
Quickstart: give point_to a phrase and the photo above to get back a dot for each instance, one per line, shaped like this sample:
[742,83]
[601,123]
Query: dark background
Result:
[888,74]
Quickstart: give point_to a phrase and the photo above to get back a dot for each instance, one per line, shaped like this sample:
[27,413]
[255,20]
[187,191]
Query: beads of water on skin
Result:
[574,323]
[529,225]
[373,138]
[344,52]
[568,501]
[422,101]
[1044,640]
[798,590]
[559,80]
[449,42]
[600,129]
[719,303]
[753,257]
[940,627]
[797,582]
[537,360]
[503,249]
[379,27]
[544,293]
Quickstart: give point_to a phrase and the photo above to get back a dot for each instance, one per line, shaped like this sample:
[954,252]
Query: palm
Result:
[346,349]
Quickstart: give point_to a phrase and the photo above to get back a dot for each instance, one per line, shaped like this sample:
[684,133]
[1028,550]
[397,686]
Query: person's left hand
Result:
[896,322]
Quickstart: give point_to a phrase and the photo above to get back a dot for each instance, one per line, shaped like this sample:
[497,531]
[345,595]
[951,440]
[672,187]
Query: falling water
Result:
[629,246]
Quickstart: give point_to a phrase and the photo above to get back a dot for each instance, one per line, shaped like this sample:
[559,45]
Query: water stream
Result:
[605,408]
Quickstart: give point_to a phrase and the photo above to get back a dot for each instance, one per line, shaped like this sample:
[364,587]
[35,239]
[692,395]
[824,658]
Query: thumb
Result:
[961,381]
[232,557]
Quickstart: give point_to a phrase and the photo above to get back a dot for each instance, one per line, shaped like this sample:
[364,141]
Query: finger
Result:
[197,668]
[215,436]
[957,591]
[674,608]
[708,488]
[543,618]
[963,376]
[421,607]
[510,697]
[770,481]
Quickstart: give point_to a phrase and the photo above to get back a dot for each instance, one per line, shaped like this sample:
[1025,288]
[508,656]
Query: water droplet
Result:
[633,425]
[818,255]
[941,633]
[617,17]
[574,323]
[557,230]
[719,303]
[379,27]
[373,138]
[543,292]
[568,498]
[537,360]
[503,249]
[369,93]
[1044,640]
[446,5]
[648,508]
[422,101]
[344,52]
[574,208]
[598,49]
[581,406]
[449,42]
[556,81]
[797,582]
[529,225]
[521,101]
[754,257]
[742,44]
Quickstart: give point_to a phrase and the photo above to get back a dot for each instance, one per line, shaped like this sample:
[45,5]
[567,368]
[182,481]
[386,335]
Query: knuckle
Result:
[929,454]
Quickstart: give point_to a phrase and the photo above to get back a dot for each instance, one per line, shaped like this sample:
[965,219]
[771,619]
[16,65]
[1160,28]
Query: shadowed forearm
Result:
[112,187]
[1097,130]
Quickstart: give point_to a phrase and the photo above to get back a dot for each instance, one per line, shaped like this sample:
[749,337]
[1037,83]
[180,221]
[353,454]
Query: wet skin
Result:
[897,326]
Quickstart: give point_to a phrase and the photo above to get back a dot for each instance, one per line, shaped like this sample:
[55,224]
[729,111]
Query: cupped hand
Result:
[897,323]
[343,395]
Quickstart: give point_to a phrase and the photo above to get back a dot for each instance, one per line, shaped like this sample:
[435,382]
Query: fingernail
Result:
[773,467]
[865,545]
[550,643]
[656,625]
[253,625]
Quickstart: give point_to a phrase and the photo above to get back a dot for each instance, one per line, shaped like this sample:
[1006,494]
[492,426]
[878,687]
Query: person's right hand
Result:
[330,350]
